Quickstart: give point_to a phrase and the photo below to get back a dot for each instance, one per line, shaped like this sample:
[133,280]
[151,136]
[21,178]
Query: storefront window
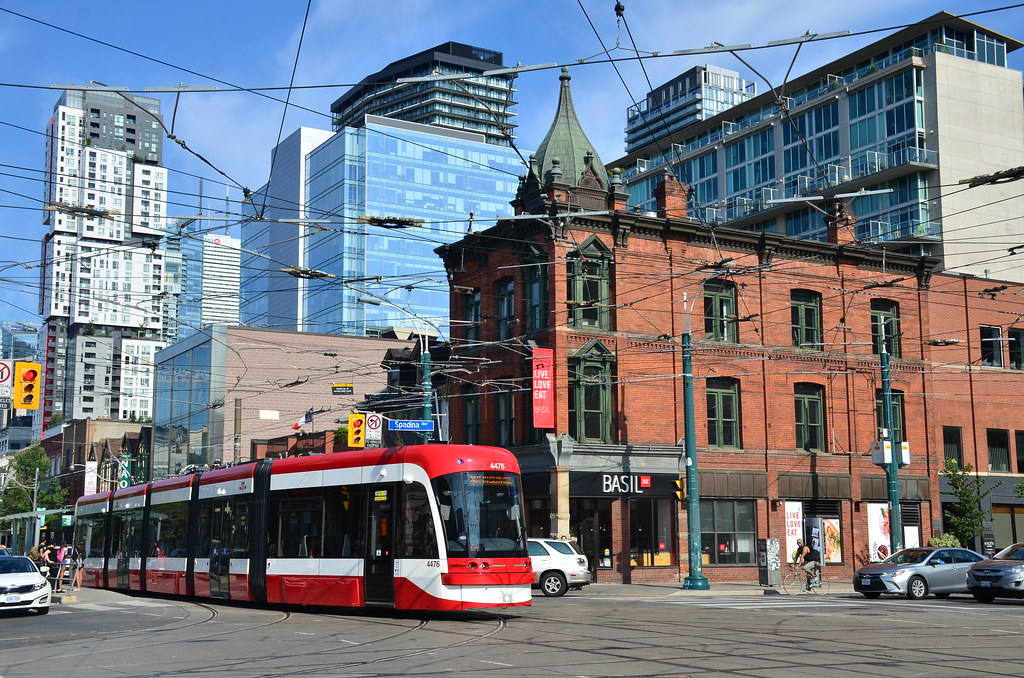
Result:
[727,531]
[1007,523]
[591,525]
[538,517]
[651,530]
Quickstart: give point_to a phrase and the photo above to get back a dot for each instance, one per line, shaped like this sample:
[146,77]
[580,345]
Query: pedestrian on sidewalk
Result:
[78,556]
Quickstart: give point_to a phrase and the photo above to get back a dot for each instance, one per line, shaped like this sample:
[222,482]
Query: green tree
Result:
[17,494]
[966,519]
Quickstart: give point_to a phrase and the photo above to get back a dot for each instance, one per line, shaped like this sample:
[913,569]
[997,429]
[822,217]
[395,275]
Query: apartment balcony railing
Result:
[831,83]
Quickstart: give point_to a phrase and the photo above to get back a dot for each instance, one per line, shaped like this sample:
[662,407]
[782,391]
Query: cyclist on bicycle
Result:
[811,560]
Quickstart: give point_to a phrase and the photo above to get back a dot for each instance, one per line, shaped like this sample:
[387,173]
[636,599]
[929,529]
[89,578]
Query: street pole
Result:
[696,578]
[35,507]
[426,378]
[893,467]
[427,383]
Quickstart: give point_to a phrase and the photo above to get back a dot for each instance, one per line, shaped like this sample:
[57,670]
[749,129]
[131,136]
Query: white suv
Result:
[557,566]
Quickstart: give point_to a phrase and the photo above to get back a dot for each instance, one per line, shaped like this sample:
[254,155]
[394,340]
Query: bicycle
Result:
[796,582]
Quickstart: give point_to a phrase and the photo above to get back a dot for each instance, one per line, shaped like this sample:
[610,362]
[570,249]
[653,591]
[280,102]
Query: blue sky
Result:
[254,44]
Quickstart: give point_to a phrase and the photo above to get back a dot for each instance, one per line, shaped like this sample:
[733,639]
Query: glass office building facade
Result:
[182,432]
[428,181]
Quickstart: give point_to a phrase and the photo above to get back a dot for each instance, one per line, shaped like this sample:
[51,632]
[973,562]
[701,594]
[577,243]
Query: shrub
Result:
[945,541]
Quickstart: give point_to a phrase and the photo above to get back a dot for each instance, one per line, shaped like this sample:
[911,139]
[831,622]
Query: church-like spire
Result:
[567,144]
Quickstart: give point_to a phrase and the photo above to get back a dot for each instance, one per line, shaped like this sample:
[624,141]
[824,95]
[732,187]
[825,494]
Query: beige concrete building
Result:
[226,386]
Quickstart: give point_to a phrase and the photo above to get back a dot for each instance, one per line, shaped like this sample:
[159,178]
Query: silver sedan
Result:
[916,572]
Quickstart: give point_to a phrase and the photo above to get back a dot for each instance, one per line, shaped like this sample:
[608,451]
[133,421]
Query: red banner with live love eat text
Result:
[543,388]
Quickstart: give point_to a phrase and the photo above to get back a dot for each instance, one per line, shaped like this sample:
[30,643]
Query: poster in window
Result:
[833,540]
[794,527]
[878,531]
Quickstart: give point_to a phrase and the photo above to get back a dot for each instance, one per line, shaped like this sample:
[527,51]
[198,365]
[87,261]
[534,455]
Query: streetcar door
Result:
[123,533]
[379,574]
[220,548]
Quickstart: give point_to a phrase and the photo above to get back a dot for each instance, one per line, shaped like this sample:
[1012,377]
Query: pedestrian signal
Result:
[26,385]
[357,430]
[680,489]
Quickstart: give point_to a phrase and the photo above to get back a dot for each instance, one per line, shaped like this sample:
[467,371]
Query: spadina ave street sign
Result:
[410,425]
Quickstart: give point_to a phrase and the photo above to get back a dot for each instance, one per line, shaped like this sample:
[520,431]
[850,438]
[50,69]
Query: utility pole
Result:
[237,445]
[696,579]
[427,384]
[35,508]
[896,453]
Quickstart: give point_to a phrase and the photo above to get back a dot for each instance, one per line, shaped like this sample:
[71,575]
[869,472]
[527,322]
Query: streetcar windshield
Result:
[481,514]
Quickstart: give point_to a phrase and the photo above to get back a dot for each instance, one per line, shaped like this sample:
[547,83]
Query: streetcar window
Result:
[240,528]
[481,514]
[126,539]
[343,523]
[168,527]
[316,523]
[417,531]
[90,529]
[298,522]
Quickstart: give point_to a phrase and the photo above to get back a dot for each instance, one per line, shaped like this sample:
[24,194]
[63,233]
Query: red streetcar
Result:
[423,527]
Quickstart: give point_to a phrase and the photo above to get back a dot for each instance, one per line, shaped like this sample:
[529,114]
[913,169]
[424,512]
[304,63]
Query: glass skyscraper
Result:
[379,199]
[430,181]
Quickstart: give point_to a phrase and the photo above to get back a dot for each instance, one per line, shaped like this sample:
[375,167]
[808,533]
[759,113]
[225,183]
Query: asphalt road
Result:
[595,632]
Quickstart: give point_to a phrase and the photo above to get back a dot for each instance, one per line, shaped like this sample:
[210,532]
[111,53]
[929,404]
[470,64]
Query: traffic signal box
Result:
[357,430]
[27,377]
[680,489]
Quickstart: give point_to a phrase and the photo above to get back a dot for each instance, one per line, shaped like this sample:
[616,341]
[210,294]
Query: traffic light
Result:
[680,489]
[26,385]
[357,430]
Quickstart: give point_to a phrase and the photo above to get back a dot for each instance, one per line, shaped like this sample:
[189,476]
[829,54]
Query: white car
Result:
[557,566]
[22,586]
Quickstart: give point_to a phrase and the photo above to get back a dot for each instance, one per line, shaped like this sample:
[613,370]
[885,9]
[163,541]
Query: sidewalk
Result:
[715,589]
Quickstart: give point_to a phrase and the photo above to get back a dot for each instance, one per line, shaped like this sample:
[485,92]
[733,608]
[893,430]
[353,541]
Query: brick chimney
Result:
[840,225]
[670,197]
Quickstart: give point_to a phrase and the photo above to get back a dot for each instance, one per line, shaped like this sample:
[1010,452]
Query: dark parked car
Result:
[916,572]
[1000,577]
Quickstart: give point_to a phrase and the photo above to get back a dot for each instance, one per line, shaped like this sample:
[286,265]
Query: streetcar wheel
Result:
[871,594]
[553,584]
[917,588]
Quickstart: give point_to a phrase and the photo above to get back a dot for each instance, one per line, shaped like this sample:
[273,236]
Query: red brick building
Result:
[787,336]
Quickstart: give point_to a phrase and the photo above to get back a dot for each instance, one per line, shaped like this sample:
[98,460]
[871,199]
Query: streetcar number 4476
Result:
[497,466]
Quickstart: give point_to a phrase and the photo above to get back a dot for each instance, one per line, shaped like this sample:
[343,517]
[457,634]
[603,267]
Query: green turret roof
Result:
[567,143]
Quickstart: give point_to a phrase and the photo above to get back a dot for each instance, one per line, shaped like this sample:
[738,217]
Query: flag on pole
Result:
[307,418]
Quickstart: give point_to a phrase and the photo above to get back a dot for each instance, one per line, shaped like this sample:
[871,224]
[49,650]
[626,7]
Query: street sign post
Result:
[6,384]
[374,434]
[410,425]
